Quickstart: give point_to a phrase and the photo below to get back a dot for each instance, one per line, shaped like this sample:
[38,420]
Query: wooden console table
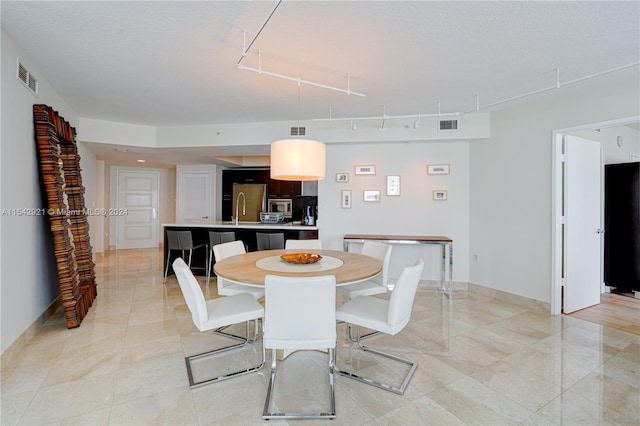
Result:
[446,285]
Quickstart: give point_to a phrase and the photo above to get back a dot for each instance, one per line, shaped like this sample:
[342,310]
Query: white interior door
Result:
[194,197]
[138,202]
[582,223]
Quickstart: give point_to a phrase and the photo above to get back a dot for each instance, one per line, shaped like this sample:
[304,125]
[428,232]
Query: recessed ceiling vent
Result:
[298,131]
[27,78]
[448,124]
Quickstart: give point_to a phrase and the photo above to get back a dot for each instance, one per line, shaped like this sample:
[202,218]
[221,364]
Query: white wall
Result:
[257,135]
[414,212]
[28,275]
[612,153]
[511,182]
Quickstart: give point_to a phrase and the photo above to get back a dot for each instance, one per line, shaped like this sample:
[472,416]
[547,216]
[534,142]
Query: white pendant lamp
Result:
[298,159]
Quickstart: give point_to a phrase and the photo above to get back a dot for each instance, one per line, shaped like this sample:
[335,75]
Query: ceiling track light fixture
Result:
[557,85]
[260,70]
[384,118]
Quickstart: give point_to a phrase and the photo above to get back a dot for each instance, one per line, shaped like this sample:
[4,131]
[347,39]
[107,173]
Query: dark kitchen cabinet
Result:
[284,188]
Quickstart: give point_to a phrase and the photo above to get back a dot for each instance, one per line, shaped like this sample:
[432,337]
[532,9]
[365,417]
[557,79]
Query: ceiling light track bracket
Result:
[246,48]
[557,85]
[298,80]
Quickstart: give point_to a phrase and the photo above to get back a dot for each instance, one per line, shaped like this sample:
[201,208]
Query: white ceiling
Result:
[162,63]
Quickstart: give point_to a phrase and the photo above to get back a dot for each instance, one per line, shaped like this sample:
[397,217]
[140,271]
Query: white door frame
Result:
[117,200]
[556,202]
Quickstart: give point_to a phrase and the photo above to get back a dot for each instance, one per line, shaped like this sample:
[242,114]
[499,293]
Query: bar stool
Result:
[269,241]
[217,238]
[182,241]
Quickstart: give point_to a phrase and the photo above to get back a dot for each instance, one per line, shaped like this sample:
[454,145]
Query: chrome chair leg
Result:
[235,336]
[189,359]
[267,415]
[166,271]
[405,382]
[209,262]
[364,336]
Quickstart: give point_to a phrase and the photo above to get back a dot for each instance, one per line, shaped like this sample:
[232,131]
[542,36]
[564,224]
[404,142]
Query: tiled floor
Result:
[482,361]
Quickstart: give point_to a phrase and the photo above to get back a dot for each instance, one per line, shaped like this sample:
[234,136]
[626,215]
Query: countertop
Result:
[243,225]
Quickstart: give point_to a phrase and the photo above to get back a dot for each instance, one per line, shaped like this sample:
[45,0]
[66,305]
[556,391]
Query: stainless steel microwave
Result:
[281,205]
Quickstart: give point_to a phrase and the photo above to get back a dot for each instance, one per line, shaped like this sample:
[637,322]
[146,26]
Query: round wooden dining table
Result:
[251,268]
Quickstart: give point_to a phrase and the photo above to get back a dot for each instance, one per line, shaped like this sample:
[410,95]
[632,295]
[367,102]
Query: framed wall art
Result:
[393,185]
[440,195]
[438,169]
[346,199]
[366,170]
[371,195]
[342,177]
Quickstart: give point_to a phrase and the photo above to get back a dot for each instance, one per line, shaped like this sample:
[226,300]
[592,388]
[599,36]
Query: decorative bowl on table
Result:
[301,258]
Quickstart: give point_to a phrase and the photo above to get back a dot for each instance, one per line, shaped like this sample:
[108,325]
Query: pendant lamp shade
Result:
[297,159]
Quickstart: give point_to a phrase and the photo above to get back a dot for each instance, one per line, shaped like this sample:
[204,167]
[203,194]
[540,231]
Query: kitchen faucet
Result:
[244,205]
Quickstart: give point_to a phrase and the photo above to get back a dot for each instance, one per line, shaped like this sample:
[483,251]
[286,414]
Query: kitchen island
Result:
[245,231]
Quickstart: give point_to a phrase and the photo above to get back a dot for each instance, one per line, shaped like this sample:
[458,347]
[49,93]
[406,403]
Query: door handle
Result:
[153,213]
[599,231]
[205,217]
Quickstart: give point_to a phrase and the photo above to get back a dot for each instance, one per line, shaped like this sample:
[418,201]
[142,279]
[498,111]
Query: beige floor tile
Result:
[243,395]
[174,407]
[518,384]
[421,411]
[570,408]
[475,403]
[13,406]
[70,399]
[142,333]
[76,367]
[481,361]
[620,400]
[154,376]
[94,418]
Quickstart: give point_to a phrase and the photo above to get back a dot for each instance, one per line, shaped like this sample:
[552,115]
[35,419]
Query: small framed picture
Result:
[366,170]
[437,169]
[342,177]
[346,198]
[393,185]
[440,195]
[371,195]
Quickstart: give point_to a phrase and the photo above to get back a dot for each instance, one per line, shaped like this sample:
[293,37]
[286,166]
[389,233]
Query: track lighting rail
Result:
[259,70]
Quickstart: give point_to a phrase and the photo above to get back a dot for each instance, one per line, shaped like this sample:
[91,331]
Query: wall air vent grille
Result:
[27,78]
[448,124]
[298,131]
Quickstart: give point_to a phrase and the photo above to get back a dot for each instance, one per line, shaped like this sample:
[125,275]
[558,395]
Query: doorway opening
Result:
[559,207]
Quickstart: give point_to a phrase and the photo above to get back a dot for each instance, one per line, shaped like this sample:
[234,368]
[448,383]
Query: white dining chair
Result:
[216,313]
[375,285]
[300,315]
[389,317]
[303,244]
[228,288]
